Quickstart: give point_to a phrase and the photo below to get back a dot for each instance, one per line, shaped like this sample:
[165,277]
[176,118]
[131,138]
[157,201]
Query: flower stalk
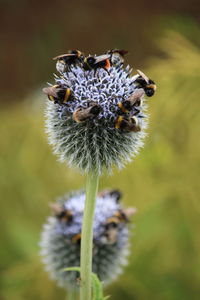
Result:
[96,118]
[87,235]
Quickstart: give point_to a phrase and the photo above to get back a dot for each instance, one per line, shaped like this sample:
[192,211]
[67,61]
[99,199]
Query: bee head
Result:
[116,194]
[95,110]
[90,60]
[127,105]
[149,92]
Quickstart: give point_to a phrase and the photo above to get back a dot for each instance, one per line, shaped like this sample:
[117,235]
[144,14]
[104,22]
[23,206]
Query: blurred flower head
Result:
[61,237]
[96,114]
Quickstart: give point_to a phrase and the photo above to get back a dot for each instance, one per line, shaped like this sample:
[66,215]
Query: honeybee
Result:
[83,114]
[127,125]
[76,239]
[133,100]
[147,84]
[58,94]
[64,61]
[64,215]
[95,62]
[117,56]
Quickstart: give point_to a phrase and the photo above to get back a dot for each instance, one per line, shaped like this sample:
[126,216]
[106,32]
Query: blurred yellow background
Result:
[162,182]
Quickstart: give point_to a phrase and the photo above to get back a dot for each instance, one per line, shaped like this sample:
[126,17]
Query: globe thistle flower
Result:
[96,117]
[61,237]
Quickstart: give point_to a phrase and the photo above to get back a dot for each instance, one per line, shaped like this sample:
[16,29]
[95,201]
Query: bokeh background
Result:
[163,38]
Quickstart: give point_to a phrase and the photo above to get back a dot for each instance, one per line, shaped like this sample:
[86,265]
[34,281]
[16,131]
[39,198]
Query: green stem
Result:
[87,236]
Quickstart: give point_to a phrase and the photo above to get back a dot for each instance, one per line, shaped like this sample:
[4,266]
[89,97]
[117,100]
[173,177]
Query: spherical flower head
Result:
[61,237]
[96,117]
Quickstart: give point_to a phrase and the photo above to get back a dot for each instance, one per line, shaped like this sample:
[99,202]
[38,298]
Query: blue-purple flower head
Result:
[96,117]
[61,237]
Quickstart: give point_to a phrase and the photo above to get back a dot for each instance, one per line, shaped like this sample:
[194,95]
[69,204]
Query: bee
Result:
[111,231]
[113,223]
[76,239]
[121,215]
[147,84]
[62,214]
[64,61]
[112,226]
[116,194]
[117,56]
[83,114]
[110,236]
[58,94]
[112,193]
[118,217]
[95,62]
[133,100]
[127,125]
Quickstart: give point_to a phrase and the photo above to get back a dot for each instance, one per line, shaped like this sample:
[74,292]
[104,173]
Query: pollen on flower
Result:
[61,237]
[96,114]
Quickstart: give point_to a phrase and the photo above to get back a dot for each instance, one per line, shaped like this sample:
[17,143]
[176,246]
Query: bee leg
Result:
[95,72]
[137,111]
[107,71]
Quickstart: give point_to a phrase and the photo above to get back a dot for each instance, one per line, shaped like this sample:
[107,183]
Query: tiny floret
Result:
[96,114]
[61,237]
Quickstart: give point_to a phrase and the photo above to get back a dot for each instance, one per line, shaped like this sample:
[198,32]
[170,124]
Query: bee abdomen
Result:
[127,125]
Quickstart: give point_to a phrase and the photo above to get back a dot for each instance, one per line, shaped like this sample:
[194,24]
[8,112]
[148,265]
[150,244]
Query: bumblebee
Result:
[134,100]
[127,125]
[116,194]
[58,94]
[113,223]
[118,218]
[147,84]
[64,215]
[83,114]
[95,62]
[64,61]
[117,56]
[76,239]
[110,236]
[121,215]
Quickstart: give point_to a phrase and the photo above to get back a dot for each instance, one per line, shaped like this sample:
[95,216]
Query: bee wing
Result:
[135,77]
[51,91]
[56,208]
[130,211]
[112,235]
[143,76]
[102,57]
[122,52]
[63,56]
[137,94]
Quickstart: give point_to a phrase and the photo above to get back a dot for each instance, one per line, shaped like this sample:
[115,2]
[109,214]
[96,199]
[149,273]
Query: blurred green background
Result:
[162,182]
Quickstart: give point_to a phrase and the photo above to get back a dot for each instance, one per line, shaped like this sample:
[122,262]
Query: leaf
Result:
[97,288]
